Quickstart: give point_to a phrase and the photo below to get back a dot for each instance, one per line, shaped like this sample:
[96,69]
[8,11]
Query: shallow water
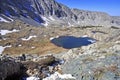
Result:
[69,42]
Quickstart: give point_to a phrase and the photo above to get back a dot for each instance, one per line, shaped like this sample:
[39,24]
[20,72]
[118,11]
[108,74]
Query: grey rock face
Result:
[86,68]
[91,18]
[49,12]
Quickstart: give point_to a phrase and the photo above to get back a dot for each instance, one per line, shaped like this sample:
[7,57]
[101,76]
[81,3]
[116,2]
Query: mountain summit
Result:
[50,12]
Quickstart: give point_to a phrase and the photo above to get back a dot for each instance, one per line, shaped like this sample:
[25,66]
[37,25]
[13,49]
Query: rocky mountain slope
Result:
[50,12]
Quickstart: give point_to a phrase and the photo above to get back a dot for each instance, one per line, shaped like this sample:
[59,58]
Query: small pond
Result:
[69,42]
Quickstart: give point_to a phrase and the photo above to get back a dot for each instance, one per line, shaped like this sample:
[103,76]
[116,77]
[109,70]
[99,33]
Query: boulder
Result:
[9,68]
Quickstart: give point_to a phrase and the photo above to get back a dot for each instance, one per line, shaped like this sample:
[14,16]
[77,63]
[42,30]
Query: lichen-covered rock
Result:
[94,63]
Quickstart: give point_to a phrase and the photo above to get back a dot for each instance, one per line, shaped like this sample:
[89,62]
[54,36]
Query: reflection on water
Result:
[69,42]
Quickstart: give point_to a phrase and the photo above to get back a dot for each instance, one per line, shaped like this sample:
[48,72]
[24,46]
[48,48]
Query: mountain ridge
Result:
[50,12]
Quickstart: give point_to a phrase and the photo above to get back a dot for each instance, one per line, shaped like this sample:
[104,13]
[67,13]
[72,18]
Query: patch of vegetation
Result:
[33,47]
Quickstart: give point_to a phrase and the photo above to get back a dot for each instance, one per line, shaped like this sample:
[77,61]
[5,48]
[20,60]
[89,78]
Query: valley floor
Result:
[98,61]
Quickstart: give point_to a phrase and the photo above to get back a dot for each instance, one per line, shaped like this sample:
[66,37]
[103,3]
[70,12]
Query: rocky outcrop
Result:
[50,12]
[8,68]
[18,68]
[92,18]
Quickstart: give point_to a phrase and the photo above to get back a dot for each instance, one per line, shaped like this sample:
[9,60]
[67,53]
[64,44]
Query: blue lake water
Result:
[69,42]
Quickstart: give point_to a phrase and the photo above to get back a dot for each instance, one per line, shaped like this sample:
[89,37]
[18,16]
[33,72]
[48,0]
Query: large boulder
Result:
[9,68]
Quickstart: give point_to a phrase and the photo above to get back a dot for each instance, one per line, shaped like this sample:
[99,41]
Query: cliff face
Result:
[92,18]
[50,12]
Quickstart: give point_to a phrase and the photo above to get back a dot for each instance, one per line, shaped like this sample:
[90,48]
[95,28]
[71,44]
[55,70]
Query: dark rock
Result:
[10,70]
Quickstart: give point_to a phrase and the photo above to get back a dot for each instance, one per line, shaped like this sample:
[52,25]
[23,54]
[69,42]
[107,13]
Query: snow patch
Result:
[30,37]
[10,19]
[92,41]
[45,24]
[54,37]
[85,36]
[3,20]
[33,47]
[33,78]
[46,21]
[57,75]
[51,38]
[19,45]
[5,38]
[52,18]
[4,32]
[2,48]
[44,18]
